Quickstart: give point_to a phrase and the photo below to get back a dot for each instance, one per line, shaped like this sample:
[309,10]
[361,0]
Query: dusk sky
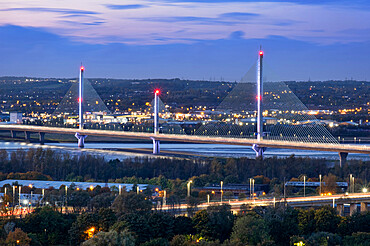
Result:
[190,39]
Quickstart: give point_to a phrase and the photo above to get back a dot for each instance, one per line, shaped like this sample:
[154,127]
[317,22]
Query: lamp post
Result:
[320,184]
[253,188]
[250,188]
[43,196]
[164,197]
[189,187]
[14,187]
[304,186]
[19,202]
[222,192]
[208,198]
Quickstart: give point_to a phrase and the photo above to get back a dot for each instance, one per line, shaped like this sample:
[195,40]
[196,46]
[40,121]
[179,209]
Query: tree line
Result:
[85,167]
[130,220]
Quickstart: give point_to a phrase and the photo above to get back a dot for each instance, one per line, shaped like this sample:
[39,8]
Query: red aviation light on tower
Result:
[82,68]
[79,99]
[157,91]
[258,98]
[261,53]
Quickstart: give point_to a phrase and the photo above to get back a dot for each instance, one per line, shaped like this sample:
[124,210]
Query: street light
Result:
[222,182]
[20,189]
[189,187]
[364,190]
[304,186]
[208,198]
[253,188]
[320,183]
[164,197]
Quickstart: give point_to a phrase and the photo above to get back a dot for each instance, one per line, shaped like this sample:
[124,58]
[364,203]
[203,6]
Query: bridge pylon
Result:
[156,143]
[258,149]
[80,137]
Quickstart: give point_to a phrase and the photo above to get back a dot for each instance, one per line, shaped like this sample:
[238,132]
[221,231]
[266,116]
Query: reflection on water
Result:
[109,150]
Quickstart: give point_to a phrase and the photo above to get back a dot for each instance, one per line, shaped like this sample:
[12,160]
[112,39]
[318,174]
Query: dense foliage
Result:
[216,225]
[63,166]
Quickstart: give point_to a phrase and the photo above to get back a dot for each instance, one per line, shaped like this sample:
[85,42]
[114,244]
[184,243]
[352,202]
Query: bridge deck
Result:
[348,148]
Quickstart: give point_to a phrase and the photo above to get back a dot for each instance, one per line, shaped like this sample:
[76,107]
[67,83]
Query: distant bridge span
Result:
[339,148]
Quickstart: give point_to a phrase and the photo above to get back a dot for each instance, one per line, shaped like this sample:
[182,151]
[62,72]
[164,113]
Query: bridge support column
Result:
[156,146]
[81,139]
[342,158]
[42,138]
[364,207]
[27,135]
[13,134]
[259,150]
[340,209]
[352,208]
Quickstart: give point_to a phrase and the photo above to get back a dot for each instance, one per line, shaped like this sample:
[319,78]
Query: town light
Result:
[364,190]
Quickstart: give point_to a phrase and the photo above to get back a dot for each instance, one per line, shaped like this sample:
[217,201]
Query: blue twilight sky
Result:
[190,39]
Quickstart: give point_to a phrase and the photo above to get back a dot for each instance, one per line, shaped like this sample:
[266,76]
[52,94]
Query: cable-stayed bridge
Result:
[266,115]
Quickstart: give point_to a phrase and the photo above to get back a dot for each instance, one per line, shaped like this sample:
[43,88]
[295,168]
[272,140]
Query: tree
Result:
[137,223]
[106,218]
[156,242]
[18,237]
[192,203]
[250,230]
[306,221]
[78,199]
[326,219]
[49,226]
[357,239]
[324,238]
[131,203]
[161,225]
[103,200]
[79,229]
[111,238]
[358,222]
[330,184]
[214,223]
[183,226]
[221,221]
[282,223]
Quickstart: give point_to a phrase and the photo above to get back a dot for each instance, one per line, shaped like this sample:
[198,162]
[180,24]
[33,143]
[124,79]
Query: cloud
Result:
[53,10]
[128,6]
[238,15]
[176,21]
[189,19]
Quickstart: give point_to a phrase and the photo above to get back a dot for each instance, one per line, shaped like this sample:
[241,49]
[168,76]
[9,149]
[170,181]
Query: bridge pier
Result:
[259,150]
[42,138]
[156,146]
[342,158]
[81,139]
[340,209]
[13,134]
[364,207]
[352,208]
[27,135]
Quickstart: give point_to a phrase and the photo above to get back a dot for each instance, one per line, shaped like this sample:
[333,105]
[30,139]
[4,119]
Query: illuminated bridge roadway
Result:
[342,149]
[337,201]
